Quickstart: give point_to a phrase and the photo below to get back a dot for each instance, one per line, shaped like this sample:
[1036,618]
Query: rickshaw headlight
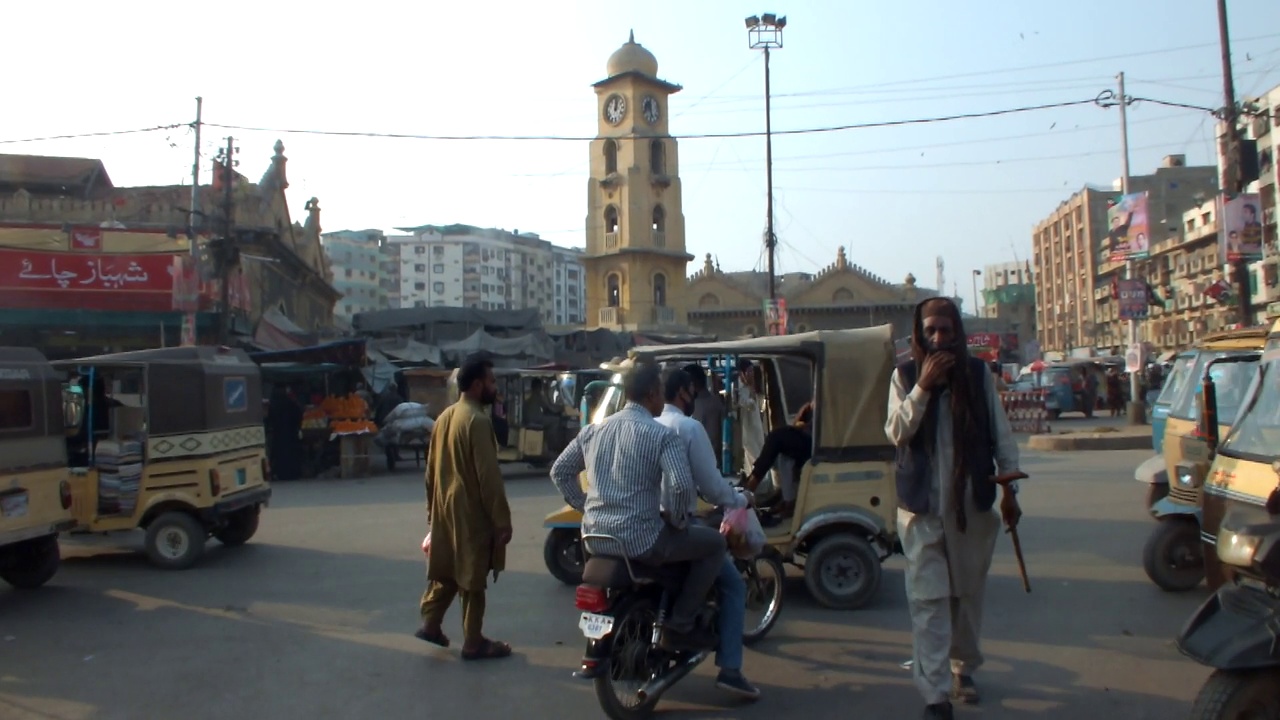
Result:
[1237,549]
[1188,476]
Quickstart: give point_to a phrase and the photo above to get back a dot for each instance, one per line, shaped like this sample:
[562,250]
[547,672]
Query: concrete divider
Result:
[1127,439]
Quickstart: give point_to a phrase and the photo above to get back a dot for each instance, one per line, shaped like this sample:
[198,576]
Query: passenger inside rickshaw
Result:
[95,424]
[790,447]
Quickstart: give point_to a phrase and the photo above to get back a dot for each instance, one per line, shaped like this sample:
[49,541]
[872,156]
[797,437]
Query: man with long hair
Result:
[946,419]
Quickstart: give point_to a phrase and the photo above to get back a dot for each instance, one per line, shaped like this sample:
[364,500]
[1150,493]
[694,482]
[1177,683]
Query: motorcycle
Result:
[1237,630]
[624,605]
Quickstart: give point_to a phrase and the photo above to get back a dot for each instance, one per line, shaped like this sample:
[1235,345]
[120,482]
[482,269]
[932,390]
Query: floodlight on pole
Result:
[765,33]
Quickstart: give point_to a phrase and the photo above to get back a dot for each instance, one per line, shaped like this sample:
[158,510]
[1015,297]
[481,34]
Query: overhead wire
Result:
[103,133]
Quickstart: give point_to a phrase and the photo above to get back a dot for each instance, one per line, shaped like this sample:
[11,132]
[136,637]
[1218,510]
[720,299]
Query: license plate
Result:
[13,506]
[595,626]
[242,476]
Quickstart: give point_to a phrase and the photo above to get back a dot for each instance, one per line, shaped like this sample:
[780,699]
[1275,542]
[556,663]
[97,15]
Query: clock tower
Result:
[636,258]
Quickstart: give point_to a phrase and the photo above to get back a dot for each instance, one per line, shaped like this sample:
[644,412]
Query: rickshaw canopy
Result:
[852,369]
[189,389]
[31,411]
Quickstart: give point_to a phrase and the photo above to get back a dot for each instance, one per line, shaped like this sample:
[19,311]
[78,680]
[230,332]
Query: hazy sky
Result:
[896,197]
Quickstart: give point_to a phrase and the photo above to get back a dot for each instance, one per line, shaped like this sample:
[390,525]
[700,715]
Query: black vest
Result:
[913,474]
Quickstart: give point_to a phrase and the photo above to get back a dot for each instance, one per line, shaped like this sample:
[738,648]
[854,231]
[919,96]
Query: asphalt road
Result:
[313,619]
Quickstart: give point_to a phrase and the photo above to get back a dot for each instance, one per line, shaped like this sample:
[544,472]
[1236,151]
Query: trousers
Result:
[439,596]
[705,550]
[732,593]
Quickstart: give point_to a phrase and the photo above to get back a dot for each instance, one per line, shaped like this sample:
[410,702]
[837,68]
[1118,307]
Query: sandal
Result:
[437,638]
[488,650]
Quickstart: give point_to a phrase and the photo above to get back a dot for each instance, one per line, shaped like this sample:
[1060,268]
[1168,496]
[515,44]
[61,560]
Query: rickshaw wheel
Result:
[1173,556]
[241,526]
[563,554]
[1229,695]
[28,565]
[842,571]
[175,541]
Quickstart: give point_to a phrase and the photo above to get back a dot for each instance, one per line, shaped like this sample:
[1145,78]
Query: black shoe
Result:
[963,690]
[938,711]
[735,682]
[693,640]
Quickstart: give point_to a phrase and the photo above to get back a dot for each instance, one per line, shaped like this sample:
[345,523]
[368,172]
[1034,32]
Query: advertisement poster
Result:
[1241,236]
[1130,234]
[1133,299]
[775,317]
[993,346]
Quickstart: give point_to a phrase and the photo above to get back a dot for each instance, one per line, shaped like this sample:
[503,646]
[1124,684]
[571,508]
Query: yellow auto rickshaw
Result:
[1242,487]
[172,443]
[844,521]
[1171,556]
[35,497]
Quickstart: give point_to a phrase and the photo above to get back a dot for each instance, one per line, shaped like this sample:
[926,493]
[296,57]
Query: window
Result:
[613,286]
[438,269]
[437,251]
[611,219]
[438,287]
[419,286]
[657,158]
[419,303]
[610,157]
[15,410]
[419,250]
[660,290]
[659,219]
[420,268]
[348,271]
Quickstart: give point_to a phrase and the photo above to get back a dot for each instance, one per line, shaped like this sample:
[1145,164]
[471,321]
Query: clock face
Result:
[615,109]
[649,107]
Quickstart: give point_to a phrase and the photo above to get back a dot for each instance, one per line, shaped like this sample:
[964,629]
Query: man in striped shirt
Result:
[635,467]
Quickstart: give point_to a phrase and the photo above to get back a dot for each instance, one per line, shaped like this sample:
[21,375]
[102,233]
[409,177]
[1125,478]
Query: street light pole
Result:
[1137,404]
[976,273]
[1232,172]
[764,32]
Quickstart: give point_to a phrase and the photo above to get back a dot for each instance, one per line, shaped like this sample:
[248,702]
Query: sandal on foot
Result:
[435,638]
[488,650]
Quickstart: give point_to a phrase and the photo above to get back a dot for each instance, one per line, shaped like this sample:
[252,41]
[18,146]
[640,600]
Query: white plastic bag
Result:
[426,544]
[744,533]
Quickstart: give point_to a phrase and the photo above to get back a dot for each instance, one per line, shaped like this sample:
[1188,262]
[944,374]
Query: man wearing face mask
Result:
[946,419]
[680,391]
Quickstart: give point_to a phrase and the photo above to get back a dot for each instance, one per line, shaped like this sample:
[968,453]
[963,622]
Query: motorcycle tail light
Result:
[64,494]
[590,598]
[215,483]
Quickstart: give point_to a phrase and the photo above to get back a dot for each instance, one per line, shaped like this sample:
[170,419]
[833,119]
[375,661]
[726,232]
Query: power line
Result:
[104,133]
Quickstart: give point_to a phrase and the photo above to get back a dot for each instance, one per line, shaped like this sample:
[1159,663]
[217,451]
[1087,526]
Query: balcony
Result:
[659,238]
[664,316]
[610,316]
[611,241]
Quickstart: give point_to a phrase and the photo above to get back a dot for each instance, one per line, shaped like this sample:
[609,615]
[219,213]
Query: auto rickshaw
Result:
[1072,387]
[1242,486]
[844,521]
[172,443]
[35,497]
[1171,556]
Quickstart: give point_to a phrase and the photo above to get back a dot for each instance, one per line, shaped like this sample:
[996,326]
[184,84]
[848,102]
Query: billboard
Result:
[775,317]
[1133,299]
[1240,237]
[1129,231]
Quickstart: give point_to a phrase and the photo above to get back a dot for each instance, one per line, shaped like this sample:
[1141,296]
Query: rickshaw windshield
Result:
[611,402]
[1178,375]
[1231,381]
[1256,432]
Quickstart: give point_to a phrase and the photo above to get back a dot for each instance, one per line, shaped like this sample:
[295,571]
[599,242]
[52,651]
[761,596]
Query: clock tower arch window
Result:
[610,157]
[657,157]
[613,288]
[611,219]
[659,219]
[660,290]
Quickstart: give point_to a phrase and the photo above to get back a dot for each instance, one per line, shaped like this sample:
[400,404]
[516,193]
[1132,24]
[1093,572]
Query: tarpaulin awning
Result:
[275,332]
[534,346]
[410,351]
[347,353]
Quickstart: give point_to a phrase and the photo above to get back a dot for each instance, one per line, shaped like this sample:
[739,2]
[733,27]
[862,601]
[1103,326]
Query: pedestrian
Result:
[469,515]
[951,432]
[708,409]
[750,408]
[1115,394]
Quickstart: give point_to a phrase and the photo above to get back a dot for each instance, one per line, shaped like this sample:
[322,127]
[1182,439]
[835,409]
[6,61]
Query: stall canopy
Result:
[404,319]
[275,332]
[347,353]
[534,346]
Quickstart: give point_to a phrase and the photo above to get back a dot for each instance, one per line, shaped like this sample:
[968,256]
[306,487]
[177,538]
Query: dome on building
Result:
[632,57]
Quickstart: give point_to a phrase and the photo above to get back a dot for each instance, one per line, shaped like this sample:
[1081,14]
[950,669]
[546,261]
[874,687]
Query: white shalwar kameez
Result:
[946,569]
[751,417]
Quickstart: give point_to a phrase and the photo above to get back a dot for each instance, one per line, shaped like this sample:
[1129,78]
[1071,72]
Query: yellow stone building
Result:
[636,258]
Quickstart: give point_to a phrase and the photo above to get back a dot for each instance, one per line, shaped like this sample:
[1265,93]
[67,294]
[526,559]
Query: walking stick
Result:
[1003,481]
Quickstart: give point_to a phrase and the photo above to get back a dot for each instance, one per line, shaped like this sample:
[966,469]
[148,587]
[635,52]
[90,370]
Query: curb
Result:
[1089,441]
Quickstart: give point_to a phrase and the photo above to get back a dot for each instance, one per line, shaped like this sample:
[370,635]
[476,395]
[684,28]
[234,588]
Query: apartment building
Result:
[364,266]
[1264,275]
[1071,253]
[489,269]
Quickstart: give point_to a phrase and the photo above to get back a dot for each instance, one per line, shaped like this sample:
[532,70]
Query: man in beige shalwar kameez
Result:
[469,515]
[944,410]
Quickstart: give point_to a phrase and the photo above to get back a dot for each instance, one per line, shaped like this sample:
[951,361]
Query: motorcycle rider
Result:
[680,391]
[633,464]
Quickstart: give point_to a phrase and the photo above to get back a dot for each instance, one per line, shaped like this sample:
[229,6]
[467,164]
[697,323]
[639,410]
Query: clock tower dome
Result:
[636,258]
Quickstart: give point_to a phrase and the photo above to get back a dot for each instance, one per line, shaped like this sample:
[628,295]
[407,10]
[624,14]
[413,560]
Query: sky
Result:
[897,198]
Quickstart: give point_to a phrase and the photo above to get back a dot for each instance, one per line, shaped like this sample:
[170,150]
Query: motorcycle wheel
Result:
[1238,695]
[631,665]
[764,577]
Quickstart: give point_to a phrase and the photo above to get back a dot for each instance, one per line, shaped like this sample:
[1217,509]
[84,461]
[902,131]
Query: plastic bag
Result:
[426,544]
[744,533]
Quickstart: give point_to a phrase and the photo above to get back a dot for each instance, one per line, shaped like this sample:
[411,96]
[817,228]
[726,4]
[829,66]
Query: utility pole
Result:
[1137,404]
[227,255]
[976,273]
[765,32]
[193,232]
[1232,173]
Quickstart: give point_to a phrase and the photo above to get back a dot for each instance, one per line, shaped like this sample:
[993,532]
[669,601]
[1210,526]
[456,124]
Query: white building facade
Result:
[489,269]
[364,268]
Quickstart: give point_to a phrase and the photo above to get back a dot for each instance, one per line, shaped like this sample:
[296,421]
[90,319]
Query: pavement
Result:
[313,619]
[1076,432]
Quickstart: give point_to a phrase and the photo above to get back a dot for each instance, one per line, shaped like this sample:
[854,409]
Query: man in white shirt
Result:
[680,390]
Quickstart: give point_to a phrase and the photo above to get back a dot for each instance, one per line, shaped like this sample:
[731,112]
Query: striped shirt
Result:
[627,458]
